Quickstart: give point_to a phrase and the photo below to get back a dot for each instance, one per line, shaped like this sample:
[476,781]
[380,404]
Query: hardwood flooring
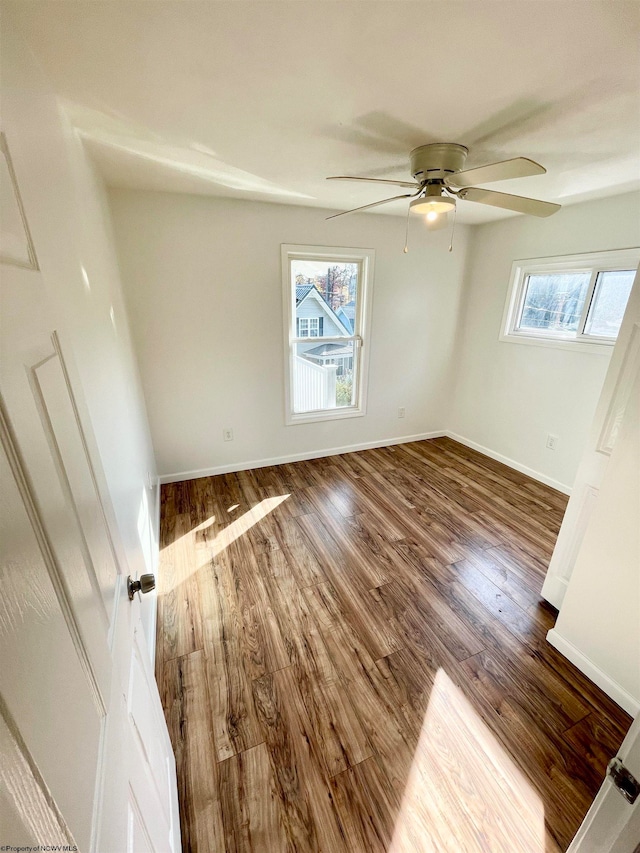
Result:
[351,655]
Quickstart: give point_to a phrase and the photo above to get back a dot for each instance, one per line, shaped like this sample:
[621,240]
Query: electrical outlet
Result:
[227,434]
[552,441]
[401,412]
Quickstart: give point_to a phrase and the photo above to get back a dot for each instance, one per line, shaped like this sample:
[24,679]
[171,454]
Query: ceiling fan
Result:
[439,179]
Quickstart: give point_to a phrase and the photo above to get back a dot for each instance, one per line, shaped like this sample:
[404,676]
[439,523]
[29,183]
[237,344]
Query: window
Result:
[309,327]
[327,298]
[573,301]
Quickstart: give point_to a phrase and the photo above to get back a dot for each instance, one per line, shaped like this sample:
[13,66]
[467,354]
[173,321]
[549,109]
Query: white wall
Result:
[69,219]
[203,286]
[508,396]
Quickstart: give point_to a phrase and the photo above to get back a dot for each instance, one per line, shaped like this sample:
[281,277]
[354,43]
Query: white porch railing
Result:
[314,386]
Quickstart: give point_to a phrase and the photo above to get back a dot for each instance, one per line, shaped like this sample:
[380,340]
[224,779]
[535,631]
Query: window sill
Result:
[326,415]
[573,345]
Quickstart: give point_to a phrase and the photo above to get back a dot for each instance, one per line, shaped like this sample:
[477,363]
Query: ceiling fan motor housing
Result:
[436,161]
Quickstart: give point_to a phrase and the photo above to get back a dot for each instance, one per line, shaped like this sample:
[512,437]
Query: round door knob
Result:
[145,583]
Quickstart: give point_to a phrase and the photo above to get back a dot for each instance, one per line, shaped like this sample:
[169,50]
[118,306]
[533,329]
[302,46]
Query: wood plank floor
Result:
[351,655]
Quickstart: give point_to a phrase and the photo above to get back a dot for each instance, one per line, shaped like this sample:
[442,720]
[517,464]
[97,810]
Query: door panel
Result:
[42,673]
[60,413]
[45,488]
[79,684]
[148,723]
[148,814]
[138,838]
[27,810]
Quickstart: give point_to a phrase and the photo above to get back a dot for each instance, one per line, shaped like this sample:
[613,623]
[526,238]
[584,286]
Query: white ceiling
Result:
[263,100]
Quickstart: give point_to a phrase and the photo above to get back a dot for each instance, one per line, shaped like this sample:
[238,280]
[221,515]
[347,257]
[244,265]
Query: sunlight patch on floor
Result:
[242,524]
[179,557]
[463,792]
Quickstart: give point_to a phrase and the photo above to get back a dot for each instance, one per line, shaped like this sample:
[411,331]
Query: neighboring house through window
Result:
[347,314]
[327,295]
[575,301]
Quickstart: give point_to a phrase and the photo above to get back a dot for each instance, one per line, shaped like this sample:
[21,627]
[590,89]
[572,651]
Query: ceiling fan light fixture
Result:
[438,170]
[432,206]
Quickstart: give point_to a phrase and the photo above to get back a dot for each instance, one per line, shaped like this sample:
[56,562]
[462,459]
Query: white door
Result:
[85,757]
[595,459]
[612,824]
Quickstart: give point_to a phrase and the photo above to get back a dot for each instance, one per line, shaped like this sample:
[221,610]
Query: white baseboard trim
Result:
[523,469]
[619,695]
[232,467]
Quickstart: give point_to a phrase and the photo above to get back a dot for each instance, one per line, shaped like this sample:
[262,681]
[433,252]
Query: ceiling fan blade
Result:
[519,203]
[375,204]
[411,184]
[519,167]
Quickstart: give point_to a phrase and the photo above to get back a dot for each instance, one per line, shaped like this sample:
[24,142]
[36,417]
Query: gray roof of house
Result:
[349,310]
[330,349]
[303,290]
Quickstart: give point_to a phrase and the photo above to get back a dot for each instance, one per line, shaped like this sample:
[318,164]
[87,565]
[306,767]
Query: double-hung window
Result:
[576,301]
[327,307]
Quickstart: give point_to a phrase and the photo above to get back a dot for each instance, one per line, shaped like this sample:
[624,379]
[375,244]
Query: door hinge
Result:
[624,780]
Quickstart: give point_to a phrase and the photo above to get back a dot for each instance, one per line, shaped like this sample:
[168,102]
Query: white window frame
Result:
[365,259]
[592,263]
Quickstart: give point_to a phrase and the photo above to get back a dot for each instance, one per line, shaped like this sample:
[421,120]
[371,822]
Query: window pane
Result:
[553,302]
[323,376]
[326,297]
[610,299]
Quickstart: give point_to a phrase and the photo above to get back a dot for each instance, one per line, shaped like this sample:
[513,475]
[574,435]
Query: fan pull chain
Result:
[453,228]
[406,233]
